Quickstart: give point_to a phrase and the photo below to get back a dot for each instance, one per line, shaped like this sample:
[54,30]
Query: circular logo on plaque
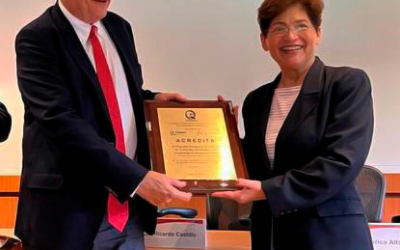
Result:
[190,115]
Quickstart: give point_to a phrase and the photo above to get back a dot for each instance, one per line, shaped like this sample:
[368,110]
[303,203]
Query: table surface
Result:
[216,240]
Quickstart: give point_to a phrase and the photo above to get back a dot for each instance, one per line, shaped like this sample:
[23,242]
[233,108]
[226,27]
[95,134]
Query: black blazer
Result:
[69,159]
[312,203]
[5,123]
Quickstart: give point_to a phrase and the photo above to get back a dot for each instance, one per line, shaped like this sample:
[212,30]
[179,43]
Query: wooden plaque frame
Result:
[196,186]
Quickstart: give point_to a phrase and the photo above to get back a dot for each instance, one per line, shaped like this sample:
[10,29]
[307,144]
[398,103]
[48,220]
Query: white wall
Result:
[207,47]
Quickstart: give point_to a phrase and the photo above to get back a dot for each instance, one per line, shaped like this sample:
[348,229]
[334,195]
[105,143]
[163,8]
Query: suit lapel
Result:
[306,101]
[76,50]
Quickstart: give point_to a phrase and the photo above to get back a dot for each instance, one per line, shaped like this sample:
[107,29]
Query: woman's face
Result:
[292,39]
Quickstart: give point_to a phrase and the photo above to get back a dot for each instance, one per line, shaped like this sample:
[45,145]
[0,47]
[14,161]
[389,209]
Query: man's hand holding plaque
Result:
[160,190]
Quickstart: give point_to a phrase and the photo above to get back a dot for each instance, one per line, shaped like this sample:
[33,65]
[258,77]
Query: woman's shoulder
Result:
[346,79]
[261,91]
[344,73]
[257,97]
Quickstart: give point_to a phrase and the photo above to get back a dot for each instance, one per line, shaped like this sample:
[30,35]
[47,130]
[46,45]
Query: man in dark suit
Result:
[5,123]
[85,149]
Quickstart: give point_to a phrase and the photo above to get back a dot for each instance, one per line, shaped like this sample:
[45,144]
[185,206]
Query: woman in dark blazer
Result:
[308,134]
[5,123]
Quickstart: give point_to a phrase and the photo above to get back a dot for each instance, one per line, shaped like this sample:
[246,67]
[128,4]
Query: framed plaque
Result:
[196,142]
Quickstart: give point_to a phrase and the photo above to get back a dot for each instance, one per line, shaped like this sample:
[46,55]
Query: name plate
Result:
[178,233]
[385,236]
[197,142]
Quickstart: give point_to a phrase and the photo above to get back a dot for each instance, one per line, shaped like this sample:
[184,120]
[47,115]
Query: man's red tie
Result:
[117,213]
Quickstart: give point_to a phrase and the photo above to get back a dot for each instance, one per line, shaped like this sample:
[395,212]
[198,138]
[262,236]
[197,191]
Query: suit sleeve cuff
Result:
[134,192]
[273,191]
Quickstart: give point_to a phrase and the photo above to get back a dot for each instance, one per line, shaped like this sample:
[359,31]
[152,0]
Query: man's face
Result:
[89,11]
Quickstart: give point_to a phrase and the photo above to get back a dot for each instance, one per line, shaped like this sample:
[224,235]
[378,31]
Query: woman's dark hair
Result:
[270,9]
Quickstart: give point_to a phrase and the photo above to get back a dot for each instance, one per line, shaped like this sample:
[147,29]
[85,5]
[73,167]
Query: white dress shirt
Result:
[82,30]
